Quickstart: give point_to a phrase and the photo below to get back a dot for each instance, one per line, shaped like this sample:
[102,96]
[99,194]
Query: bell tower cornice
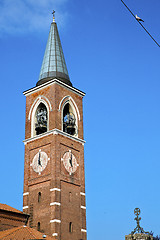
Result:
[54,132]
[51,82]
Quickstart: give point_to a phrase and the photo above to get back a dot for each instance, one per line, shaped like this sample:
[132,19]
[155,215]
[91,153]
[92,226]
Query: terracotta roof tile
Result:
[9,208]
[22,233]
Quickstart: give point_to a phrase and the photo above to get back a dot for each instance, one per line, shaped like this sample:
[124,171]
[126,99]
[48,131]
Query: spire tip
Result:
[53,15]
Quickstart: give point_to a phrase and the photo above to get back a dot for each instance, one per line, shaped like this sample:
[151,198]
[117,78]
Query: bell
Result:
[40,129]
[70,129]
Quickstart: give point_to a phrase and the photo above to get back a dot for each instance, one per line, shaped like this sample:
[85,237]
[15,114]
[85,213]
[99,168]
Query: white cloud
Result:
[22,16]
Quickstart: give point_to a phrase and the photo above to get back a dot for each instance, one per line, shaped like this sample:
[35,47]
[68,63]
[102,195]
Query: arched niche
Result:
[69,119]
[40,118]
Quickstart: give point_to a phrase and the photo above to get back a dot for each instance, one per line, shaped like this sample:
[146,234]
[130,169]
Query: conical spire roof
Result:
[53,65]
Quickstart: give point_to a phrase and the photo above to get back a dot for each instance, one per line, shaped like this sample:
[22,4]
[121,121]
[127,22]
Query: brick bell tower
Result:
[54,180]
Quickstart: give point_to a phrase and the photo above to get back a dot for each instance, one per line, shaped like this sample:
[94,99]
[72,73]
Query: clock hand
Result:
[39,160]
[71,161]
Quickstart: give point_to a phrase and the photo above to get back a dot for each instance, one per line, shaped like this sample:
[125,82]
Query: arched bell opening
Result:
[69,120]
[39,116]
[41,119]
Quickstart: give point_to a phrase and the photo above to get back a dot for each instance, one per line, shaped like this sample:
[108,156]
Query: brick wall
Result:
[55,211]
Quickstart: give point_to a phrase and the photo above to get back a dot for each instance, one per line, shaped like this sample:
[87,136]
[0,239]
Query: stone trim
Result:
[55,203]
[54,131]
[83,194]
[55,189]
[55,221]
[69,98]
[83,207]
[39,99]
[51,82]
[55,234]
[26,193]
[25,207]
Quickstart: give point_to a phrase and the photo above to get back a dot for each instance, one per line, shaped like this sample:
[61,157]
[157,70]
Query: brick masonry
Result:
[61,197]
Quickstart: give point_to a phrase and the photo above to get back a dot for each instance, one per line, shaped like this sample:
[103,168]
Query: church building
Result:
[54,176]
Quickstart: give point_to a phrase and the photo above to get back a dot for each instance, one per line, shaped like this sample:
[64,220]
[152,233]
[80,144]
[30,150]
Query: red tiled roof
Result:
[23,233]
[9,208]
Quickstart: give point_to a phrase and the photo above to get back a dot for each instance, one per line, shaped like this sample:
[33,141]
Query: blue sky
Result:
[112,59]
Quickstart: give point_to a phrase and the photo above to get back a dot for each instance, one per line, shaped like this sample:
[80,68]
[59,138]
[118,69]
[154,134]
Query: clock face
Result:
[70,162]
[39,162]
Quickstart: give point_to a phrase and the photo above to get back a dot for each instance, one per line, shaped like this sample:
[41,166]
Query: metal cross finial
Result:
[138,229]
[137,218]
[53,15]
[137,211]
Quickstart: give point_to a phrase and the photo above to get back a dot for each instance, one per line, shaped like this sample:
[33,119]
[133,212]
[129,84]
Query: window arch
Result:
[69,119]
[40,119]
[70,99]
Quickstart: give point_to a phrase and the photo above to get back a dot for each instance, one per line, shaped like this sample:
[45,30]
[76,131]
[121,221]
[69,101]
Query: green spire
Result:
[53,65]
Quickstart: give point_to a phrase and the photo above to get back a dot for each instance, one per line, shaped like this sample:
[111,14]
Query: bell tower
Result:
[54,180]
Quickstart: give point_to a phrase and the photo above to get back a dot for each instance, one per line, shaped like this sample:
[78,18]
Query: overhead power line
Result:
[140,23]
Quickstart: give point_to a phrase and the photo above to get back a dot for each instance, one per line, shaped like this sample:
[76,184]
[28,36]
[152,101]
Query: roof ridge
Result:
[29,230]
[6,207]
